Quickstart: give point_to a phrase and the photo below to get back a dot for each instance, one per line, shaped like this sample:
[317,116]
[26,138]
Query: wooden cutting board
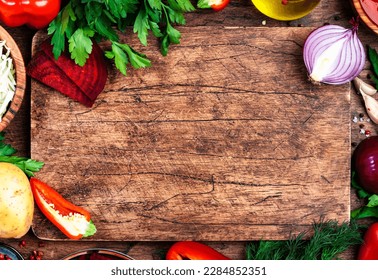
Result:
[223,139]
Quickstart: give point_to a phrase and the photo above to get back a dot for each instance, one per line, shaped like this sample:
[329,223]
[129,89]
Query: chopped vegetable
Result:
[333,54]
[190,250]
[326,243]
[216,5]
[369,249]
[7,78]
[74,221]
[34,13]
[82,84]
[80,21]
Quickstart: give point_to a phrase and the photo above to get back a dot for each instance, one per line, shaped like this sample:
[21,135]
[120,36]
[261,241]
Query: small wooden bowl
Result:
[19,66]
[364,16]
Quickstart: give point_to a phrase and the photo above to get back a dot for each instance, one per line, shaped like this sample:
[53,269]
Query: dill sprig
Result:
[329,239]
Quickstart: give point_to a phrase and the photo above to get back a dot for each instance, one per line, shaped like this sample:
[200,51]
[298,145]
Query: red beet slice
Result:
[43,69]
[82,84]
[91,77]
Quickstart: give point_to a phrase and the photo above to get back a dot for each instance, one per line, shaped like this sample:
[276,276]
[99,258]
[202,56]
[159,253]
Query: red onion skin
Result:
[365,164]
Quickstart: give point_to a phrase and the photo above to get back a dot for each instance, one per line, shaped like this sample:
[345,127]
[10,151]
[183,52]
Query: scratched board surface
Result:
[223,139]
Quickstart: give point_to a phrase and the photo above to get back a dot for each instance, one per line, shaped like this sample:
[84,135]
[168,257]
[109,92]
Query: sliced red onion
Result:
[333,54]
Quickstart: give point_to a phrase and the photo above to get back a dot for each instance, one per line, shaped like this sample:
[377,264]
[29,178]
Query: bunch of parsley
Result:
[80,21]
[29,166]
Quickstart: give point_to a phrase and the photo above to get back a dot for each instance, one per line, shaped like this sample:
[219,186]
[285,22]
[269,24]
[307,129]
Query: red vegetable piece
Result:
[191,250]
[82,84]
[43,69]
[365,160]
[91,77]
[369,249]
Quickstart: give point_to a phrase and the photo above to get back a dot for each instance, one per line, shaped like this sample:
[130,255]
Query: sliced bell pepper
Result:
[216,5]
[191,250]
[74,221]
[369,249]
[34,13]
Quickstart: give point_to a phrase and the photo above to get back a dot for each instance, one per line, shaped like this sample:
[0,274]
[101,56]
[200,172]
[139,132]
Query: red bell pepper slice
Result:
[74,221]
[369,249]
[216,5]
[34,13]
[190,250]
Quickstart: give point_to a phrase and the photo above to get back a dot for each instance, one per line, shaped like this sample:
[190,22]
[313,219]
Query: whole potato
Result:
[16,202]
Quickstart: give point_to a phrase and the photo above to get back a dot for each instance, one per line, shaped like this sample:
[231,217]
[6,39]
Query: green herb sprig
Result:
[370,209]
[373,59]
[29,166]
[80,21]
[327,242]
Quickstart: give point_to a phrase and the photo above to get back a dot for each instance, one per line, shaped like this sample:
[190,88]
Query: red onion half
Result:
[333,54]
[365,164]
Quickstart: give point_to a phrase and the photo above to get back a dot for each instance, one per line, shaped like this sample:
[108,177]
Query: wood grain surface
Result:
[238,13]
[225,139]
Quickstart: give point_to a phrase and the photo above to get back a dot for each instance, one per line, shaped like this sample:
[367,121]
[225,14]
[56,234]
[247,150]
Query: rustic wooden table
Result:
[238,13]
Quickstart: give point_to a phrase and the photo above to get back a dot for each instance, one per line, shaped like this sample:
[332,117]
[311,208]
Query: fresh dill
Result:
[329,239]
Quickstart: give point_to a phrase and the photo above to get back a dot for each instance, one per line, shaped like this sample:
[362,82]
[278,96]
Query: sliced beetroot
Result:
[91,77]
[82,84]
[43,69]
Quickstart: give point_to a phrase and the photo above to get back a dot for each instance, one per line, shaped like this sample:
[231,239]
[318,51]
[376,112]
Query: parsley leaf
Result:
[5,149]
[27,165]
[82,21]
[141,26]
[80,45]
[124,54]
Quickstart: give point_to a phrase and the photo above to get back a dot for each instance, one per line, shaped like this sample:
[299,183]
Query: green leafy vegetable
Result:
[327,242]
[373,58]
[27,165]
[370,209]
[80,22]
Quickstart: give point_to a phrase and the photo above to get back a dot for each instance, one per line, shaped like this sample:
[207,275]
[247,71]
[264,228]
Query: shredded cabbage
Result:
[7,78]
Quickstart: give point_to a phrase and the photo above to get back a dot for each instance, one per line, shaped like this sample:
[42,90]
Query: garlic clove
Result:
[371,105]
[365,87]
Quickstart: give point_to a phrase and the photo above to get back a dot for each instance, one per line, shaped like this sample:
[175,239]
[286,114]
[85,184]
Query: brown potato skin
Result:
[16,202]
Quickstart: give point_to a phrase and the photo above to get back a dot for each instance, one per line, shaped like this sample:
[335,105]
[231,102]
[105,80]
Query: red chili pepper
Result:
[74,221]
[369,249]
[34,13]
[216,5]
[190,250]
